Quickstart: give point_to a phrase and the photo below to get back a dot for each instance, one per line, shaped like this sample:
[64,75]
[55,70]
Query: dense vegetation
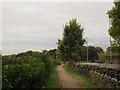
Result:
[53,54]
[115,50]
[71,47]
[115,53]
[27,70]
[93,53]
[114,15]
[68,47]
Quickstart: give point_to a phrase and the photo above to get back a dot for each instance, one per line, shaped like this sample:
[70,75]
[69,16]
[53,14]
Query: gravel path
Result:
[66,80]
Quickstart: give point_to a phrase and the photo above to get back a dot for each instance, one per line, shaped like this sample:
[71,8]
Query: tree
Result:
[92,53]
[114,43]
[92,56]
[45,51]
[99,49]
[72,39]
[114,15]
[52,53]
[115,50]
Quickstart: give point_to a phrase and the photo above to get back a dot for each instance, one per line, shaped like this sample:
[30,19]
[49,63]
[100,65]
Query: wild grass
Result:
[53,79]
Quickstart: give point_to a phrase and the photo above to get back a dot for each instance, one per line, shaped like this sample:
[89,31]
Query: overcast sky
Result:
[37,26]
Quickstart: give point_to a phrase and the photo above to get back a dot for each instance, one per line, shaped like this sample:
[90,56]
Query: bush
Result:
[92,53]
[28,70]
[115,50]
[101,57]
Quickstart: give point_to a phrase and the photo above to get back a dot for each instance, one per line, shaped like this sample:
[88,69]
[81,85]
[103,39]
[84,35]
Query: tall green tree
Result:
[69,45]
[114,15]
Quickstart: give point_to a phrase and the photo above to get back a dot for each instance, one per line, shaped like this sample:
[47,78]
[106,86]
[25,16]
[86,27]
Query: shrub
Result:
[28,70]
[101,57]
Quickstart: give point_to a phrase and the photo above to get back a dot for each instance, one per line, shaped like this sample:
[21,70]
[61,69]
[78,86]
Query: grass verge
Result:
[53,78]
[88,83]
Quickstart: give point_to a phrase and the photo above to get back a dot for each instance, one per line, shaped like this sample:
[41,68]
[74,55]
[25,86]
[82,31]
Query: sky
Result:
[0,28]
[38,25]
[58,0]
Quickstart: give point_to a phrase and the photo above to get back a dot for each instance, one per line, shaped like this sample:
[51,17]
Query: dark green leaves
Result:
[114,15]
[72,39]
[26,70]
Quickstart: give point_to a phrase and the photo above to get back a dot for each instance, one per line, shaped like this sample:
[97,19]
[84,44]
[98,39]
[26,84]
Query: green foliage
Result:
[114,15]
[68,47]
[52,53]
[26,70]
[53,79]
[83,53]
[99,50]
[114,43]
[101,57]
[92,53]
[115,50]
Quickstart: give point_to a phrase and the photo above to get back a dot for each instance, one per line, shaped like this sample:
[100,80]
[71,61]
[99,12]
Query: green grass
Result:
[88,83]
[53,78]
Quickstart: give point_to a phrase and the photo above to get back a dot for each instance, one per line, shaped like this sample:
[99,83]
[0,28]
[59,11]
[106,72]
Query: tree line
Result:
[71,46]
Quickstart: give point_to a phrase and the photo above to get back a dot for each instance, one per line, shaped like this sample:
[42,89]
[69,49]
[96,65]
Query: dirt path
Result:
[66,80]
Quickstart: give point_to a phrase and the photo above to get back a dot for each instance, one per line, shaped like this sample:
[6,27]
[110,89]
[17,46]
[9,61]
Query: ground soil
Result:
[68,81]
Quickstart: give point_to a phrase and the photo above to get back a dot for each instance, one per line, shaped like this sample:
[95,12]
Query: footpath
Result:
[66,80]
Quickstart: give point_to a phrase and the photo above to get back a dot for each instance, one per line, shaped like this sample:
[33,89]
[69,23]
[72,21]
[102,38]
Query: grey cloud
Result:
[39,25]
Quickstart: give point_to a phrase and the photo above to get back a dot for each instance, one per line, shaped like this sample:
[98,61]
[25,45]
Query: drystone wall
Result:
[102,76]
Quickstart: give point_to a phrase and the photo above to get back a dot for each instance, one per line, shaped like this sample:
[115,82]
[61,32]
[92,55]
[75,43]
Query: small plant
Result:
[101,57]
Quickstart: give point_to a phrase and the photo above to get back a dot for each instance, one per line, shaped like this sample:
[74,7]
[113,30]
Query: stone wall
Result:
[102,76]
